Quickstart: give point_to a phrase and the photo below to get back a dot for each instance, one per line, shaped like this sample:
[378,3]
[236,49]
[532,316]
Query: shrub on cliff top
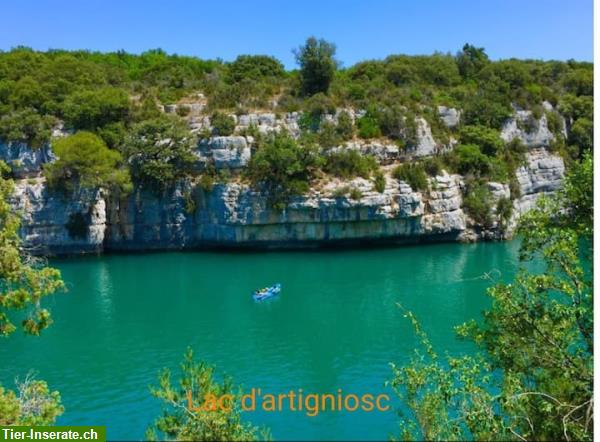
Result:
[468,159]
[222,124]
[283,167]
[254,67]
[477,203]
[345,126]
[159,152]
[92,109]
[488,140]
[85,161]
[349,164]
[27,126]
[317,65]
[412,173]
[368,127]
[379,181]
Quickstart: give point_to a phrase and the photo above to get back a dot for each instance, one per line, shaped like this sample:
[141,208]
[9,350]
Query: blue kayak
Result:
[266,293]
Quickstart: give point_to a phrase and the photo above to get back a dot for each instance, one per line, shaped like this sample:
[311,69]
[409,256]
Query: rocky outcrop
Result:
[543,175]
[445,212]
[384,153]
[231,152]
[425,145]
[54,223]
[23,160]
[268,122]
[235,215]
[532,132]
[449,116]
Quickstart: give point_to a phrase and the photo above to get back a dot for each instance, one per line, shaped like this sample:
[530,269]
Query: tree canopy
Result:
[188,414]
[317,65]
[85,161]
[532,378]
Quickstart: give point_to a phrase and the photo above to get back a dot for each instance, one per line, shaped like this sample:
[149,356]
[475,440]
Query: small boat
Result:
[267,292]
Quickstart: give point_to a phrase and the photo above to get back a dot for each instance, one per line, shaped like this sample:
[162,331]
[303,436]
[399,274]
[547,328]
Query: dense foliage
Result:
[283,167]
[118,96]
[84,161]
[89,90]
[190,414]
[159,151]
[31,404]
[317,65]
[412,173]
[532,378]
[349,164]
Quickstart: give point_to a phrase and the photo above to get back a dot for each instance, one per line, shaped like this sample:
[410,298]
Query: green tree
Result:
[160,152]
[27,93]
[532,378]
[345,126]
[32,404]
[255,67]
[582,134]
[283,168]
[189,412]
[379,181]
[471,60]
[85,161]
[468,159]
[477,203]
[222,124]
[26,125]
[368,126]
[92,109]
[349,163]
[317,65]
[412,173]
[24,283]
[488,140]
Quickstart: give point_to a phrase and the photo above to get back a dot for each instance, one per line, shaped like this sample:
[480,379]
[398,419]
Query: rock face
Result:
[543,175]
[23,160]
[449,116]
[56,224]
[236,216]
[533,133]
[426,145]
[231,152]
[268,122]
[384,153]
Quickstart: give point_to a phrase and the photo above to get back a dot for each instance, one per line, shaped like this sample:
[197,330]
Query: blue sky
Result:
[542,29]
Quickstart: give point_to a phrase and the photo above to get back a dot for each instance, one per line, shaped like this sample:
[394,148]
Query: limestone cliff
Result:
[232,214]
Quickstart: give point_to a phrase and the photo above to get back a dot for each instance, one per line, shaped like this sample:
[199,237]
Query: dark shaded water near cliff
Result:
[335,325]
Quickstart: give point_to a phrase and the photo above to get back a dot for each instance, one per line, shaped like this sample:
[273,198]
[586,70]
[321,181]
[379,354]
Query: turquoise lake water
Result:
[335,326]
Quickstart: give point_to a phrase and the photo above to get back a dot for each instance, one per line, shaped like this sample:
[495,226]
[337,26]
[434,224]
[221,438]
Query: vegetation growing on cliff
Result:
[159,152]
[91,90]
[283,167]
[24,283]
[533,376]
[85,161]
[118,97]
